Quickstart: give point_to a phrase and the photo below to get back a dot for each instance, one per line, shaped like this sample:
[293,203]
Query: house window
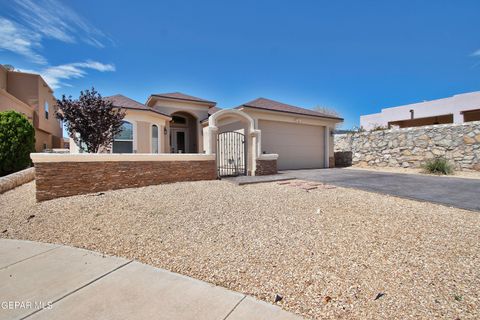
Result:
[123,141]
[179,120]
[154,139]
[46,110]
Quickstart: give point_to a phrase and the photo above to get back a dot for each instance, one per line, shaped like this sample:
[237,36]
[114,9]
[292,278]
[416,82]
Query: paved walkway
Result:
[44,281]
[455,192]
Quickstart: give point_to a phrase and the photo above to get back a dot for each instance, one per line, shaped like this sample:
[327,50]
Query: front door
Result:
[179,140]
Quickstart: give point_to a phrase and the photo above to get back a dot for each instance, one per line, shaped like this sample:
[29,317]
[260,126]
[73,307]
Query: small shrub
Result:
[379,127]
[17,141]
[438,166]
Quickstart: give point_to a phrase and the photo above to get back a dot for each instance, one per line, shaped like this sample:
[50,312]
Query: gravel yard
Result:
[331,253]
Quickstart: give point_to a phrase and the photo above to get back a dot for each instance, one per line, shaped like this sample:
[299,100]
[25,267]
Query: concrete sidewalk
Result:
[44,281]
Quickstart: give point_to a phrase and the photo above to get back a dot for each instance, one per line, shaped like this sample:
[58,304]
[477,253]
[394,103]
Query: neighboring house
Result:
[180,123]
[29,94]
[456,109]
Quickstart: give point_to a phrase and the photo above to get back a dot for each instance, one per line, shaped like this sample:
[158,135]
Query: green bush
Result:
[438,166]
[17,140]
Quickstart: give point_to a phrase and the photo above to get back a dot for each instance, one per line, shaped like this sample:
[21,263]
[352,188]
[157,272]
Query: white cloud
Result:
[45,19]
[476,53]
[17,39]
[52,19]
[55,75]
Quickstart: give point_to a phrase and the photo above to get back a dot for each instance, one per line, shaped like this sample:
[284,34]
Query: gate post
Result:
[210,140]
[254,149]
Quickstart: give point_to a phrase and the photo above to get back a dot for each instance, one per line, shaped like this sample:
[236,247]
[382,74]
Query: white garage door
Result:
[298,146]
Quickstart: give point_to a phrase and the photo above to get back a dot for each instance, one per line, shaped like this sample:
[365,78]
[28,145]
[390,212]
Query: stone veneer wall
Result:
[64,178]
[266,167]
[411,147]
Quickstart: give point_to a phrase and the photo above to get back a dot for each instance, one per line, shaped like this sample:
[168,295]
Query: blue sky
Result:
[352,56]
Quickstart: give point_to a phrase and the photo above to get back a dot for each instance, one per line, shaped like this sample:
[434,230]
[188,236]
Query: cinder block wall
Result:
[412,147]
[62,178]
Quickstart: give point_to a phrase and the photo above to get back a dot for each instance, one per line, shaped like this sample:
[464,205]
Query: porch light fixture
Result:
[165,131]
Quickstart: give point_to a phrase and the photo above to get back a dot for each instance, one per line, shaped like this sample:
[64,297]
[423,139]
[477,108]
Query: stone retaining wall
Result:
[66,175]
[16,179]
[412,147]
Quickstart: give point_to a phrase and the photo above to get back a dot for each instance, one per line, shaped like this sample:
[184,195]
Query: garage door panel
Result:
[298,146]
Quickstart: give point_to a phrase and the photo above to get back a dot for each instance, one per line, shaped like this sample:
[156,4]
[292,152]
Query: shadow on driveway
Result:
[454,192]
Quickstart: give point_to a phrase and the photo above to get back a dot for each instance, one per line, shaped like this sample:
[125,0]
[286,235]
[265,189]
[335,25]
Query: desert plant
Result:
[438,166]
[91,121]
[379,127]
[17,141]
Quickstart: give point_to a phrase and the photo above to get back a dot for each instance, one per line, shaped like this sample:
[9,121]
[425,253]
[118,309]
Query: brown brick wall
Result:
[62,179]
[266,167]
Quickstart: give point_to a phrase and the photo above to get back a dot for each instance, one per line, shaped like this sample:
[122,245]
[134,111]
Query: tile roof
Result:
[211,111]
[121,101]
[267,104]
[182,96]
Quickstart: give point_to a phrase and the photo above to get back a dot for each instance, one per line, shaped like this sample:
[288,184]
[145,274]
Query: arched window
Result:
[123,141]
[154,138]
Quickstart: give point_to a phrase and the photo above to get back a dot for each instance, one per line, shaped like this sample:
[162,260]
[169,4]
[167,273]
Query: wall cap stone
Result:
[268,156]
[117,157]
[16,179]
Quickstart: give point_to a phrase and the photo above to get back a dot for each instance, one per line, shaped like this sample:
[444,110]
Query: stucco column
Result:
[457,117]
[253,149]
[199,137]
[259,143]
[210,140]
[161,139]
[326,147]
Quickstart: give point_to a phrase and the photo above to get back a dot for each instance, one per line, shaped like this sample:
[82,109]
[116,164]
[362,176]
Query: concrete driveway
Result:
[455,192]
[46,281]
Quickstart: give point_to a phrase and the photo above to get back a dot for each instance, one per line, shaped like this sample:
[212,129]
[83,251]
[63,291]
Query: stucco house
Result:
[256,130]
[459,108]
[30,95]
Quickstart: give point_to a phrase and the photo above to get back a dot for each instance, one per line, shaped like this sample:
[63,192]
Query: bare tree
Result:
[91,121]
[327,111]
[9,67]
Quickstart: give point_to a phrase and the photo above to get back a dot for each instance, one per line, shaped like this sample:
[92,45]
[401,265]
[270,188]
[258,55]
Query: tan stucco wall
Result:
[42,138]
[45,94]
[142,122]
[229,124]
[32,90]
[144,137]
[23,86]
[198,110]
[9,102]
[3,78]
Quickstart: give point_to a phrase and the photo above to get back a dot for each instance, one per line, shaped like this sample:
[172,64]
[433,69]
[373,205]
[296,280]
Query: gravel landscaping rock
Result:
[329,253]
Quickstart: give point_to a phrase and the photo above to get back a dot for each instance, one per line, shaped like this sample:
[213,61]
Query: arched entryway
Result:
[231,134]
[183,133]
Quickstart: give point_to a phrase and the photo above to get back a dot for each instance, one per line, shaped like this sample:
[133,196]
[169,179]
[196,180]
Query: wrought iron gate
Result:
[231,154]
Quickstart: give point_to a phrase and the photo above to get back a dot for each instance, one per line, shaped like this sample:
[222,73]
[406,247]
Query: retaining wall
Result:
[412,147]
[16,179]
[62,175]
